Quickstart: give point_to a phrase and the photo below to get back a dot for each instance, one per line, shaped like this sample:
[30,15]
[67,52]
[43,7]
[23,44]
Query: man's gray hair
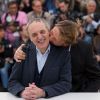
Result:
[38,20]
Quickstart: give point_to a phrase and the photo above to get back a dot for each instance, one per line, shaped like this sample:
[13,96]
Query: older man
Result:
[46,72]
[85,70]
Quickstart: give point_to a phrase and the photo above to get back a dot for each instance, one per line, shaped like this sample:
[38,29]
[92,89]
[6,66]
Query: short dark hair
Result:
[65,1]
[33,2]
[12,3]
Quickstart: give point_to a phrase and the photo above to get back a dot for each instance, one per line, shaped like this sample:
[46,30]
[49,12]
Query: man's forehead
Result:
[36,26]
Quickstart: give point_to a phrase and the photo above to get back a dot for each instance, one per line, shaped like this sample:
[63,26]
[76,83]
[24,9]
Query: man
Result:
[64,12]
[46,72]
[39,13]
[85,70]
[91,17]
[14,15]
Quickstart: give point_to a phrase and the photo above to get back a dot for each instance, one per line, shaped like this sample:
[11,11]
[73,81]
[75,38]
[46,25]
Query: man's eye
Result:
[42,31]
[34,34]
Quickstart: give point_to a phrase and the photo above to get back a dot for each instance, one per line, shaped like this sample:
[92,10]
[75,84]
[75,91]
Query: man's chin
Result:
[41,47]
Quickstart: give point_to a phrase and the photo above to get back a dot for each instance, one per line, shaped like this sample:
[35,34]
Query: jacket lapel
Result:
[32,61]
[49,62]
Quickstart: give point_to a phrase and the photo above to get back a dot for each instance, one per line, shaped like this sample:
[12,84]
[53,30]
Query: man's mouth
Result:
[41,41]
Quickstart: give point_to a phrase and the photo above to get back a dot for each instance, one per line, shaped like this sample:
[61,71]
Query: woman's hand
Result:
[19,54]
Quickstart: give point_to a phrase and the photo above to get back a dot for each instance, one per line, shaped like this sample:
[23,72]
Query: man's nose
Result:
[39,36]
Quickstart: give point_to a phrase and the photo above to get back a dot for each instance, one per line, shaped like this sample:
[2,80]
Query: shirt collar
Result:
[39,15]
[47,51]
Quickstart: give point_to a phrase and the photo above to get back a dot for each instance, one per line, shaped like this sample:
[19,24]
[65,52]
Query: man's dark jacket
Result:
[56,75]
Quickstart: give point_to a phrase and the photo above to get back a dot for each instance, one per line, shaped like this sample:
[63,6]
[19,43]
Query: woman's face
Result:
[55,37]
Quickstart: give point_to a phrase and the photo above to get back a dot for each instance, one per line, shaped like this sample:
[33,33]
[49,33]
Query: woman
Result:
[96,44]
[85,71]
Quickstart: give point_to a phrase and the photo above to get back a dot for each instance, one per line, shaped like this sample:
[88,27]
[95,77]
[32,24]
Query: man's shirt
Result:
[41,58]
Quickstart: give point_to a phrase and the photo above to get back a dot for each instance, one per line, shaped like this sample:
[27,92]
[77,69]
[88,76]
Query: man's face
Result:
[13,9]
[37,7]
[55,37]
[39,35]
[91,7]
[63,7]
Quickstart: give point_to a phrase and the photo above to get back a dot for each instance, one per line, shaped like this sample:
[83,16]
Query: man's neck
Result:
[38,13]
[44,49]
